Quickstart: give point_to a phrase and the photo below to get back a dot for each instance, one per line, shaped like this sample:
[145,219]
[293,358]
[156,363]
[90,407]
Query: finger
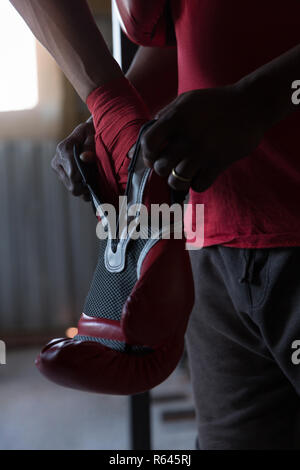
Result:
[83,137]
[88,153]
[76,188]
[88,145]
[64,178]
[59,170]
[84,134]
[64,157]
[186,169]
[88,157]
[164,165]
[157,137]
[171,156]
[200,178]
[64,163]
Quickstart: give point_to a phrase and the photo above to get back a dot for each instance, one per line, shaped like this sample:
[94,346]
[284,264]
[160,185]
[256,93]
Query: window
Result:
[18,73]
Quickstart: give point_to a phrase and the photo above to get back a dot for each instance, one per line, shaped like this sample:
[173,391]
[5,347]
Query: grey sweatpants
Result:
[242,350]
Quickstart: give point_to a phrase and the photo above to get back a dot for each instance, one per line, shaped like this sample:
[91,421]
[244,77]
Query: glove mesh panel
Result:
[109,292]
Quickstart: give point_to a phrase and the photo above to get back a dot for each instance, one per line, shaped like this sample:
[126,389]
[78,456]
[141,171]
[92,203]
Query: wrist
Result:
[257,101]
[269,101]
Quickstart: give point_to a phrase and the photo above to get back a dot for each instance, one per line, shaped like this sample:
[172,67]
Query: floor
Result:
[38,415]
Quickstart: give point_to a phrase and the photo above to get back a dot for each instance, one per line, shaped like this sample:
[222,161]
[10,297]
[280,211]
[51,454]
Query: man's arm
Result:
[145,73]
[67,29]
[69,32]
[203,132]
[154,74]
[270,87]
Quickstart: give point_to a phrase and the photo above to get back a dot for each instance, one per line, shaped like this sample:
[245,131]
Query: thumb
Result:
[88,156]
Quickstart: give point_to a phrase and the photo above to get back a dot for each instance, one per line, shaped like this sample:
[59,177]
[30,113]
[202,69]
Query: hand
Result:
[201,133]
[64,163]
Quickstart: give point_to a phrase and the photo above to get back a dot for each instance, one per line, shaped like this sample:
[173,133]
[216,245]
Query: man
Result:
[230,136]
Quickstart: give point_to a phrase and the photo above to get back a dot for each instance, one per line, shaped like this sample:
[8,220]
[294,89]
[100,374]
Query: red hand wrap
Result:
[118,112]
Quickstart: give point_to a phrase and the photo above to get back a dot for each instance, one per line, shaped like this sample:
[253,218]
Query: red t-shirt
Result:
[254,203]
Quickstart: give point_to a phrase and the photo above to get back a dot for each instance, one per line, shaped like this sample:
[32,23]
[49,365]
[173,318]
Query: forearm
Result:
[269,88]
[154,74]
[67,29]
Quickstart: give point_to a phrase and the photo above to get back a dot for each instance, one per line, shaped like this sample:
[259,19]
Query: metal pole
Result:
[140,421]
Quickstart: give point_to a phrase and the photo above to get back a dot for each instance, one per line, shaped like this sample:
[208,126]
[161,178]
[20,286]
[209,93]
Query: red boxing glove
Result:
[147,23]
[131,333]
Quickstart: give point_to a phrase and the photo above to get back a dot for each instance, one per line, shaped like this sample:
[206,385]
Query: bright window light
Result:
[18,74]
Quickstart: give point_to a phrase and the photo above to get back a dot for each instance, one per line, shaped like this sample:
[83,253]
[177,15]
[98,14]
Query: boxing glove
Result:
[131,332]
[147,23]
